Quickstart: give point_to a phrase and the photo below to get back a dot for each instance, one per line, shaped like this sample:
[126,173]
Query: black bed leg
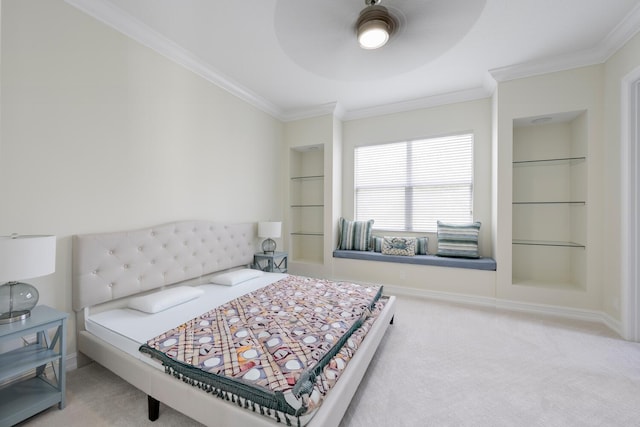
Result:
[154,408]
[392,317]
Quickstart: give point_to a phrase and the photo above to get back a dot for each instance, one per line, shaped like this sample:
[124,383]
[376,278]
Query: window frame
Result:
[409,226]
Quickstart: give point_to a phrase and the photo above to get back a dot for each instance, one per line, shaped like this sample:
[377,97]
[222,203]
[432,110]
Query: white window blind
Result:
[408,186]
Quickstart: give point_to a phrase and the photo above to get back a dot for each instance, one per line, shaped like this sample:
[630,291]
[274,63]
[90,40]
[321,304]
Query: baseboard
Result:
[542,309]
[438,295]
[71,361]
[613,324]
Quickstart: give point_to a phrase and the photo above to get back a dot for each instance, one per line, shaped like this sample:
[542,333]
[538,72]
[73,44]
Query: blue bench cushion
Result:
[473,263]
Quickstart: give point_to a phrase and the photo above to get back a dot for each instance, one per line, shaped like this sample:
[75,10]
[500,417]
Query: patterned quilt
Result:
[277,350]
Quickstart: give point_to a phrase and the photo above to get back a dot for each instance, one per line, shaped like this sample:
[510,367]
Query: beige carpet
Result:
[440,364]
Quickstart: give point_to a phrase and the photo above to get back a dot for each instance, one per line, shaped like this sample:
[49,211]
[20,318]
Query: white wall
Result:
[573,90]
[616,68]
[472,116]
[100,133]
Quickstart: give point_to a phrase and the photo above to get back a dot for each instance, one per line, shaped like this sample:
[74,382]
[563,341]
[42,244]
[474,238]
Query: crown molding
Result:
[116,18]
[313,111]
[419,103]
[620,35]
[121,21]
[615,40]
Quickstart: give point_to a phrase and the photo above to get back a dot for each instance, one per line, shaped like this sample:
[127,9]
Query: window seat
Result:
[472,263]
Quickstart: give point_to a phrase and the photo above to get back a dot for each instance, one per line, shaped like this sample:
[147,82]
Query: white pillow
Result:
[163,300]
[237,276]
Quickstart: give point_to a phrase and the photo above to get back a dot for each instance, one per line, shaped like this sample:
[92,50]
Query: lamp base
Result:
[17,299]
[14,316]
[269,246]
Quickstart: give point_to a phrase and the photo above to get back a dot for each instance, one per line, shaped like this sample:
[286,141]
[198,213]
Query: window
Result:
[408,186]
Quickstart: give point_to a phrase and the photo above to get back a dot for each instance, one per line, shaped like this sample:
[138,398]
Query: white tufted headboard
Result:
[107,266]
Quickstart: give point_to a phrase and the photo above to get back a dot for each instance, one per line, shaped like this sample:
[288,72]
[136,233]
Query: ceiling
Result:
[297,58]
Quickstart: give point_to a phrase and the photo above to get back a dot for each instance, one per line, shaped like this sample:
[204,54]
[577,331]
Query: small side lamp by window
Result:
[270,230]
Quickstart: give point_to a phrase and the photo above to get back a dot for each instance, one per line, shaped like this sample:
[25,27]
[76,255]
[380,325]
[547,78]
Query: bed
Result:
[112,272]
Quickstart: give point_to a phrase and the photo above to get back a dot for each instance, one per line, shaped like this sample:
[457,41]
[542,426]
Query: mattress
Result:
[127,329]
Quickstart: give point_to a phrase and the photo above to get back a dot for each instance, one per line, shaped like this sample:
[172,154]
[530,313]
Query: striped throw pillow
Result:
[354,235]
[376,243]
[458,240]
[422,245]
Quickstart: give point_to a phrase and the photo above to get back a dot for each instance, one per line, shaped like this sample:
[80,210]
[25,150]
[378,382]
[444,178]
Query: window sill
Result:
[488,264]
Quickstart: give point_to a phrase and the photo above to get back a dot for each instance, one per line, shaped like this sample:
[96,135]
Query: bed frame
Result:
[108,267]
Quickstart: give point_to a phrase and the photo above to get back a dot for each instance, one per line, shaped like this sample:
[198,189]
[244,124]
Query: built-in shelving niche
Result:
[550,201]
[306,197]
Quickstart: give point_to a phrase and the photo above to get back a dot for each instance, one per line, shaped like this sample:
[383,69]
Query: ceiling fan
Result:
[375,25]
[323,39]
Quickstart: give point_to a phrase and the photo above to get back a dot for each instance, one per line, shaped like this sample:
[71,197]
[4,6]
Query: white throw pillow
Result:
[159,301]
[237,276]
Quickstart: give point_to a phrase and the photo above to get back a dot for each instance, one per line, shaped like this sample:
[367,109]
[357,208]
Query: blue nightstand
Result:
[26,396]
[273,262]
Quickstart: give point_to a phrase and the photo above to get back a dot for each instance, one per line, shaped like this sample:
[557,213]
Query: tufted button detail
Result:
[111,252]
[110,285]
[125,266]
[94,272]
[139,248]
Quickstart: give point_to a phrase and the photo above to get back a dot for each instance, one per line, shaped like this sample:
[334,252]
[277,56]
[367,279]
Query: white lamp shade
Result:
[25,257]
[269,229]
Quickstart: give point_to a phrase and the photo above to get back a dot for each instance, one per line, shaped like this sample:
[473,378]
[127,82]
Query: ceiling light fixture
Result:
[374,26]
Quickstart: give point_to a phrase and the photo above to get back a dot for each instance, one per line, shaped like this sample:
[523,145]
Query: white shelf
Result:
[549,205]
[306,205]
[308,177]
[561,202]
[547,243]
[549,162]
[550,285]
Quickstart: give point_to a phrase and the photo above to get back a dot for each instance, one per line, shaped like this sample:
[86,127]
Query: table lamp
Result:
[23,257]
[269,230]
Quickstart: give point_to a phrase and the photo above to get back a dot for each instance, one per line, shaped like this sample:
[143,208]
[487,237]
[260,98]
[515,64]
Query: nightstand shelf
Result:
[24,359]
[24,395]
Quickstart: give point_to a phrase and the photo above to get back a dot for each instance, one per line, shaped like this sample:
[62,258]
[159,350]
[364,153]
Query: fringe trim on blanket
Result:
[242,402]
[307,379]
[227,388]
